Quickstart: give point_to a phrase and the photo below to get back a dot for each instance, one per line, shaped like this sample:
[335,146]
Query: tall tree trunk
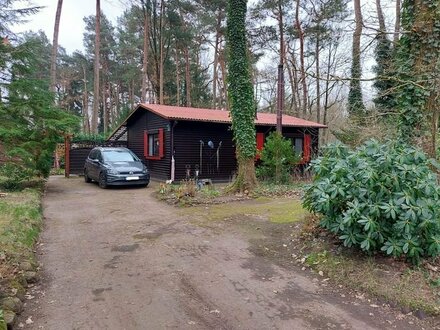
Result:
[53,57]
[280,89]
[187,77]
[216,55]
[161,28]
[224,84]
[380,17]
[356,105]
[130,95]
[105,112]
[296,95]
[95,113]
[302,60]
[145,57]
[85,109]
[318,77]
[397,23]
[293,103]
[324,136]
[177,77]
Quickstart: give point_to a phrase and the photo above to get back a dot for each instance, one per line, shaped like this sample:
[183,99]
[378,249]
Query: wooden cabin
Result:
[201,140]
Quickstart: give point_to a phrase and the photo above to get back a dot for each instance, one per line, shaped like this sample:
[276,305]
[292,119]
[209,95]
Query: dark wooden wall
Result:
[136,126]
[77,159]
[187,137]
[144,120]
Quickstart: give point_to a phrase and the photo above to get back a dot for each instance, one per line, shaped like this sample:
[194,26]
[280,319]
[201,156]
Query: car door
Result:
[94,165]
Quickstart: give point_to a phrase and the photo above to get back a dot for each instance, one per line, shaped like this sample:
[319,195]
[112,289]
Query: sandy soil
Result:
[119,259]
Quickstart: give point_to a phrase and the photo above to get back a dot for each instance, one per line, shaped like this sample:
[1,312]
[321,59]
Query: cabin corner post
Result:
[172,160]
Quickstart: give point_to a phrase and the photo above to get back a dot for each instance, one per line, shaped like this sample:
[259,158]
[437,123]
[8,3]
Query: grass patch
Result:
[20,223]
[281,210]
[284,190]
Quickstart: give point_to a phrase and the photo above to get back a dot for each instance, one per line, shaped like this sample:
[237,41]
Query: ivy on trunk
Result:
[241,96]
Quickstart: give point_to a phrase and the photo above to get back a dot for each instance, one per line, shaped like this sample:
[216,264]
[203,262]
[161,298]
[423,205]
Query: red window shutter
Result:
[146,143]
[307,148]
[260,144]
[161,143]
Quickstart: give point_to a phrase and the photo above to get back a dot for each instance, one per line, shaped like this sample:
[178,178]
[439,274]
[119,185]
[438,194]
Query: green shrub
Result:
[277,159]
[14,176]
[2,321]
[378,197]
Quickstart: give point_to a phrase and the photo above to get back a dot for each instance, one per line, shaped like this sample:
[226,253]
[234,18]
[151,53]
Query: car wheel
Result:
[86,177]
[102,180]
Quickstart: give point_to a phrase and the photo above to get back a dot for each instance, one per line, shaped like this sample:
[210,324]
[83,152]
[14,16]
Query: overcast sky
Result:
[72,24]
[73,12]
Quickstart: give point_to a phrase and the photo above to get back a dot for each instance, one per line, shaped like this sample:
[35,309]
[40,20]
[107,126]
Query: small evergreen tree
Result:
[277,159]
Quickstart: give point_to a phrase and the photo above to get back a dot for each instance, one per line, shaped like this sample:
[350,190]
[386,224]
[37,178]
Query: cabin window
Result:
[154,144]
[301,146]
[297,144]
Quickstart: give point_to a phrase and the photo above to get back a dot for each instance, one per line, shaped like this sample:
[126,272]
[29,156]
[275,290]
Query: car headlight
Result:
[145,171]
[112,171]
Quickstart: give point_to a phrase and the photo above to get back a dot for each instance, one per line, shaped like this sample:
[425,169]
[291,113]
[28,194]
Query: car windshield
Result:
[119,156]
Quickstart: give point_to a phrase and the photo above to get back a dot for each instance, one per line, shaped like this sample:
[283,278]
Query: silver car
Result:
[115,166]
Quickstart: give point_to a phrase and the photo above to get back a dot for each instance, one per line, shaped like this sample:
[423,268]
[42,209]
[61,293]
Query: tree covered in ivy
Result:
[356,107]
[241,95]
[384,83]
[418,62]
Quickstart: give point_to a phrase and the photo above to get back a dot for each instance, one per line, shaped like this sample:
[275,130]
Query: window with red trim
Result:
[298,145]
[307,150]
[302,147]
[154,144]
[260,144]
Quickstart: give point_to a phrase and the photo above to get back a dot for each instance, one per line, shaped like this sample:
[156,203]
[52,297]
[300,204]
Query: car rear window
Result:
[119,156]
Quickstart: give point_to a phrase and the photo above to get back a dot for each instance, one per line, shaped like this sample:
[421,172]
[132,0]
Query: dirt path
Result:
[119,259]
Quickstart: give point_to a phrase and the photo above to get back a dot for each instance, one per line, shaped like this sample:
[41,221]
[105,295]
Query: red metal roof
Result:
[222,116]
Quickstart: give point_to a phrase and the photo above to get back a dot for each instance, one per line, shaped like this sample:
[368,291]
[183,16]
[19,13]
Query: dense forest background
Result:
[359,68]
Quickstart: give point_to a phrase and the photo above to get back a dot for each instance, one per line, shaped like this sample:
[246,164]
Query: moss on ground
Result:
[286,229]
[281,210]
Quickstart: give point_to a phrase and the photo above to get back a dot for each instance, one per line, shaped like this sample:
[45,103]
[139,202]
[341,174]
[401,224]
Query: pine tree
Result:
[31,126]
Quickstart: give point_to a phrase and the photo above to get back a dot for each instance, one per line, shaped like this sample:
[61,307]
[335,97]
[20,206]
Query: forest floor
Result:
[121,259]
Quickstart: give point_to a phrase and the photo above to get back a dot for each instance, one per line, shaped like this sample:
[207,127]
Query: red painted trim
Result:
[307,148]
[161,143]
[145,144]
[260,144]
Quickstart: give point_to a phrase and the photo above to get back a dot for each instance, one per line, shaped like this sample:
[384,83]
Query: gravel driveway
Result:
[119,259]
